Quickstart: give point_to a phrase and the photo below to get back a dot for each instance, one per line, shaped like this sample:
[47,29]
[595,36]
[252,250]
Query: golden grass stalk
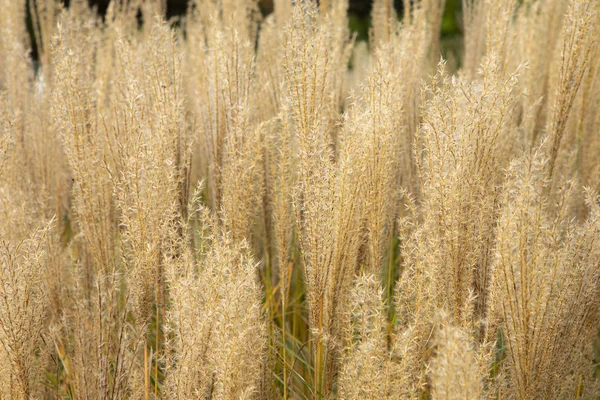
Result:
[545,284]
[455,373]
[23,310]
[576,45]
[215,320]
[366,363]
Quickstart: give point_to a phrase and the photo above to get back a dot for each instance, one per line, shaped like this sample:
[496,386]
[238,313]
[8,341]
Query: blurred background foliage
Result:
[359,19]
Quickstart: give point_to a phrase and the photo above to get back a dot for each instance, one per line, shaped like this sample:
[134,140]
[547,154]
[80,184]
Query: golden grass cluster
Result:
[237,206]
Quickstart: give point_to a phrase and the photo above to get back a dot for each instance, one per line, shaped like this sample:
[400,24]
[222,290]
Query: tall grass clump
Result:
[232,205]
[545,286]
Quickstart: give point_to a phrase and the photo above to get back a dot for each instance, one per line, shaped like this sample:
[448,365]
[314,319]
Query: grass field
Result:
[236,206]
